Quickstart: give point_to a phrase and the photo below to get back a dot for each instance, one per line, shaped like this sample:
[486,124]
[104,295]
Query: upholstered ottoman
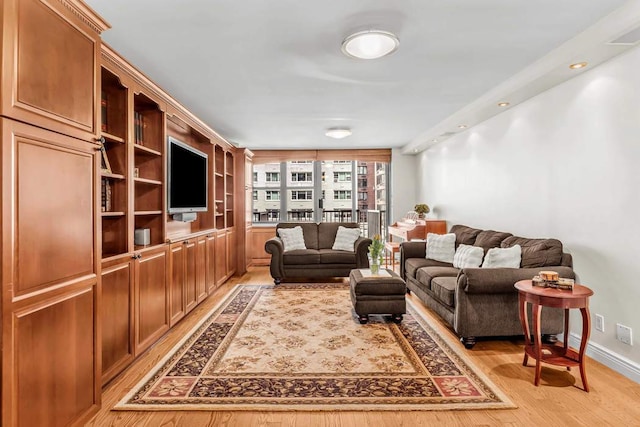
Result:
[380,294]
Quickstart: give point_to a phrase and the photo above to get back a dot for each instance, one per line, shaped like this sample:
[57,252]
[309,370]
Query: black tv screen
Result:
[187,178]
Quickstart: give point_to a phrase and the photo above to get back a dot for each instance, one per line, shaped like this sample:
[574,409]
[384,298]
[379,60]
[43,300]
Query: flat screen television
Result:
[187,178]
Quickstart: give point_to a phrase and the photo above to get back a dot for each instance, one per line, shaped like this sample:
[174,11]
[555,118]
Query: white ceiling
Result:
[269,74]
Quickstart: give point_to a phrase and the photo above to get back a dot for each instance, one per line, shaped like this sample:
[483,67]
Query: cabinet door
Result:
[117,318]
[51,75]
[201,269]
[176,288]
[210,263]
[232,252]
[152,305]
[190,291]
[221,257]
[50,355]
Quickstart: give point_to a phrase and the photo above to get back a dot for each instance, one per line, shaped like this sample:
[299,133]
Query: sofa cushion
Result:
[301,257]
[503,257]
[441,247]
[330,256]
[468,256]
[445,290]
[292,238]
[536,252]
[425,275]
[464,235]
[488,239]
[412,265]
[345,239]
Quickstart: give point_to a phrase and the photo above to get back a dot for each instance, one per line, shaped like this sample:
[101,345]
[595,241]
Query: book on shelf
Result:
[139,124]
[105,205]
[103,111]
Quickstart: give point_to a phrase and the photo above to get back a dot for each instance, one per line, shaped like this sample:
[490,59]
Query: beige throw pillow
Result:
[503,257]
[345,239]
[292,238]
[441,247]
[468,256]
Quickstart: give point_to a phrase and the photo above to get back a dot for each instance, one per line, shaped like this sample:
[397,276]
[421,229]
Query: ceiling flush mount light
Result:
[370,44]
[338,133]
[503,104]
[462,126]
[578,65]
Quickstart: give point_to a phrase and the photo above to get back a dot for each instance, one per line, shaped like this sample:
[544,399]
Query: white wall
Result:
[565,164]
[404,184]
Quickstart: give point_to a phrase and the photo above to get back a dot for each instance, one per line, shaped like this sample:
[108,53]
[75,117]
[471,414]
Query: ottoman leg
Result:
[397,318]
[363,318]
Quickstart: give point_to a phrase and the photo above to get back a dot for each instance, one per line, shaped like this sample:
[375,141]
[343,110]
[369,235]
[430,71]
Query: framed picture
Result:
[106,167]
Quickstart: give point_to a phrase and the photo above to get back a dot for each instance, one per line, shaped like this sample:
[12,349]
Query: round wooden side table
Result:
[554,354]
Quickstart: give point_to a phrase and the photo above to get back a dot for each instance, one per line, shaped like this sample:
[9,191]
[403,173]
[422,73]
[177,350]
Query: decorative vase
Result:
[375,268]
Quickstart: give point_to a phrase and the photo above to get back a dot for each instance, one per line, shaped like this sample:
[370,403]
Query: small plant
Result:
[376,249]
[422,209]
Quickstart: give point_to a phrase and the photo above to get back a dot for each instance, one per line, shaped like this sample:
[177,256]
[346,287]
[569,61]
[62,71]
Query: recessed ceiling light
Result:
[338,133]
[370,44]
[578,65]
[503,104]
[462,126]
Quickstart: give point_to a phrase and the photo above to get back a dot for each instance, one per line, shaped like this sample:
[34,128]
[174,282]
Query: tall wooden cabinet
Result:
[84,165]
[50,247]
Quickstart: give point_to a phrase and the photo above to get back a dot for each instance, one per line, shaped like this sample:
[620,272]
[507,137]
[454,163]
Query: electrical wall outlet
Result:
[599,322]
[623,333]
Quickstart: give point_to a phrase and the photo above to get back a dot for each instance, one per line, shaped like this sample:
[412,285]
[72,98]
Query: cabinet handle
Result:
[186,242]
[136,256]
[101,140]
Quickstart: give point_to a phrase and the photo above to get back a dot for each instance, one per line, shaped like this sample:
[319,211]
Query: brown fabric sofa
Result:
[318,260]
[482,302]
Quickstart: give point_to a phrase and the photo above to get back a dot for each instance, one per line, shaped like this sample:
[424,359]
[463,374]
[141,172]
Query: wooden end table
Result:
[555,354]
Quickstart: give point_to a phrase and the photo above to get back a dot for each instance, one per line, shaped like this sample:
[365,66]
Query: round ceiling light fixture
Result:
[338,133]
[503,104]
[578,65]
[370,44]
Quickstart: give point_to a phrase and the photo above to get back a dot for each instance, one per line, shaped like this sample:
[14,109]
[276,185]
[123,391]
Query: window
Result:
[362,182]
[255,195]
[362,170]
[301,176]
[342,177]
[302,195]
[362,195]
[273,177]
[342,195]
[301,162]
[255,177]
[342,162]
[272,195]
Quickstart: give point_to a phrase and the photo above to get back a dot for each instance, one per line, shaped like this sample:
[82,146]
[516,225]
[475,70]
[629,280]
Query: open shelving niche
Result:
[148,141]
[114,185]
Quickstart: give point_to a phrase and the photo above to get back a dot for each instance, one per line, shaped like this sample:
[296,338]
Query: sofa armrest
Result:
[411,250]
[501,280]
[275,247]
[361,247]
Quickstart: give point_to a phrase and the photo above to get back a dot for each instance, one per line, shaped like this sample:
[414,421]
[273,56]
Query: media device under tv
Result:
[187,180]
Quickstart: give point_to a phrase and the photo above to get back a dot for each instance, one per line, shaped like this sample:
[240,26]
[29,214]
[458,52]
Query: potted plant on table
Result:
[421,209]
[376,251]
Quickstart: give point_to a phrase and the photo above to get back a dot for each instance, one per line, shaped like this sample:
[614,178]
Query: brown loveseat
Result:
[318,260]
[482,302]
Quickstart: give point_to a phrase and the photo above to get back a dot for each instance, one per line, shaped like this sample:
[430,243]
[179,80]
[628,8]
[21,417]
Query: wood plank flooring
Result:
[559,401]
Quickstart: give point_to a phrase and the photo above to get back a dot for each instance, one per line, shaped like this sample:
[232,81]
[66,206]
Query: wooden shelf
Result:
[145,150]
[219,174]
[140,213]
[111,175]
[219,214]
[147,181]
[112,214]
[112,138]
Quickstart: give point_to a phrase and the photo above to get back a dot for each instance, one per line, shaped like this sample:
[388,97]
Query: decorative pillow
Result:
[503,257]
[441,247]
[292,238]
[345,239]
[467,256]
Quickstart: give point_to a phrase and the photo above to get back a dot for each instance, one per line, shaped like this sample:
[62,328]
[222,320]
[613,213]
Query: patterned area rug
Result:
[301,347]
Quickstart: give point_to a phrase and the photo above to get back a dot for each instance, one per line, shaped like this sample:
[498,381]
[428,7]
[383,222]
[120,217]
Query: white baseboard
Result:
[608,358]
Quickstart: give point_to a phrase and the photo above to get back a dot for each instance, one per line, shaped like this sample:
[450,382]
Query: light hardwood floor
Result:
[559,401]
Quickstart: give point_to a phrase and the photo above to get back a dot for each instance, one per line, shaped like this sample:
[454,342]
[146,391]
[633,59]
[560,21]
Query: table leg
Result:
[522,304]
[536,309]
[586,331]
[566,333]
